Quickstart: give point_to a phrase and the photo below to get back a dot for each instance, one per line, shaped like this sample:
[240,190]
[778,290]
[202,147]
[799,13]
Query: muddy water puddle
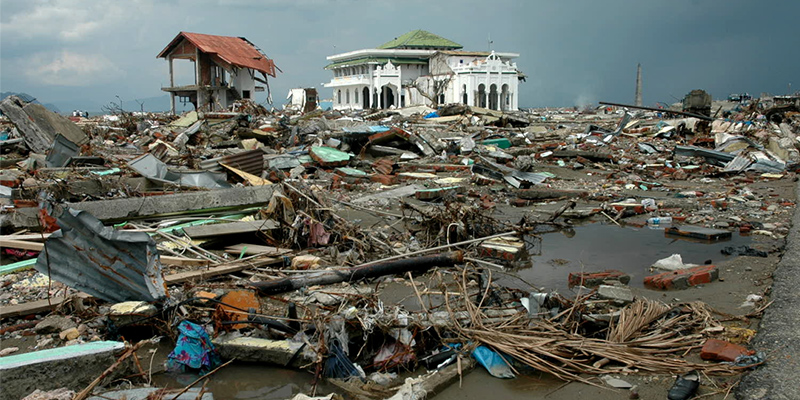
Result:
[249,382]
[591,247]
[599,246]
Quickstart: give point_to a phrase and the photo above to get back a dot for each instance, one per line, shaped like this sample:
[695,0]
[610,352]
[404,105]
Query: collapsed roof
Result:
[236,51]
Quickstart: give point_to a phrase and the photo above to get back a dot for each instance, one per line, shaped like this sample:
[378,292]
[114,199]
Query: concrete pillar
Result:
[171,84]
[171,73]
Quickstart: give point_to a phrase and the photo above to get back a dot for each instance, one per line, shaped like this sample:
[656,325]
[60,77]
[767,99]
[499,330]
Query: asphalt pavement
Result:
[779,334]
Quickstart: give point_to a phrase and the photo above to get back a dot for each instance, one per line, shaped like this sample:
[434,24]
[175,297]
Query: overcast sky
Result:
[85,52]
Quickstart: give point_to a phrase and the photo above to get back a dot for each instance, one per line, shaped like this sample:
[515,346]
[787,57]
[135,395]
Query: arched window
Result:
[355,96]
[347,96]
[339,96]
[481,96]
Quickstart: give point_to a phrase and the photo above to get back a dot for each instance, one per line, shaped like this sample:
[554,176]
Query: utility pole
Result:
[638,99]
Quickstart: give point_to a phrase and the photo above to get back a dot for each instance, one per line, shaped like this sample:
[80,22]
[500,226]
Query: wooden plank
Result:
[182,261]
[31,307]
[25,236]
[36,237]
[253,249]
[36,307]
[231,228]
[169,260]
[21,244]
[218,270]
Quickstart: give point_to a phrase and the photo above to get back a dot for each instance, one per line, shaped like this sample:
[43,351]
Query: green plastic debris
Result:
[305,159]
[59,353]
[17,266]
[328,156]
[111,171]
[502,143]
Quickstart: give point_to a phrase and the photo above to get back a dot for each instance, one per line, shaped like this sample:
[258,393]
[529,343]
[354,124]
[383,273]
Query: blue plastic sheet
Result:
[493,362]
[432,115]
[194,350]
[337,365]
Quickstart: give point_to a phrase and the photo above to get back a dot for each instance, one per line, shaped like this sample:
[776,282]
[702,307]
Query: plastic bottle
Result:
[659,220]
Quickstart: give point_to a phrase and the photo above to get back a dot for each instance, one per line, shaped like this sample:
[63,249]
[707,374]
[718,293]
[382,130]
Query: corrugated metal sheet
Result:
[248,161]
[61,152]
[152,168]
[738,164]
[236,51]
[106,263]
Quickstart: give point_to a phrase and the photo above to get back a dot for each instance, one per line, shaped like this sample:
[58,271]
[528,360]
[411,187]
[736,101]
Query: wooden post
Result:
[357,273]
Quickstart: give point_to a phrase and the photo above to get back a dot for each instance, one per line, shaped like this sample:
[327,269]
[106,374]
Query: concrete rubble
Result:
[284,235]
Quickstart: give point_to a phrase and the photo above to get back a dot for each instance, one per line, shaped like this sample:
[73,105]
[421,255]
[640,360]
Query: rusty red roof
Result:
[236,51]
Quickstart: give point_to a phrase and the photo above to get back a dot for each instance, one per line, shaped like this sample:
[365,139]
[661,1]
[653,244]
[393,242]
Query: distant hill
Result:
[97,106]
[28,98]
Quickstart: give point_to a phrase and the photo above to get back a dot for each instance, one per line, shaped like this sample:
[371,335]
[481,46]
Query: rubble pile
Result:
[281,237]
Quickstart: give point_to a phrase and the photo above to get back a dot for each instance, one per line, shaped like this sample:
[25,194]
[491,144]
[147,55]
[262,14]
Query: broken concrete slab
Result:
[118,210]
[128,312]
[38,125]
[285,353]
[618,294]
[73,367]
[54,324]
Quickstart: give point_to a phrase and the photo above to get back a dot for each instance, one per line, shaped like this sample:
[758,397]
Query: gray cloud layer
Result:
[573,51]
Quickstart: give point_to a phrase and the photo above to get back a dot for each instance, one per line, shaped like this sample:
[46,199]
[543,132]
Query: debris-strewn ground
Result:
[371,247]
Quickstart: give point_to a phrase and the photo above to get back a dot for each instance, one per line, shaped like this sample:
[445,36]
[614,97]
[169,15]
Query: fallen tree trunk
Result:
[327,277]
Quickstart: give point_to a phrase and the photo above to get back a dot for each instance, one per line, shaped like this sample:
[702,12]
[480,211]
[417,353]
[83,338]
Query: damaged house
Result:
[421,68]
[226,69]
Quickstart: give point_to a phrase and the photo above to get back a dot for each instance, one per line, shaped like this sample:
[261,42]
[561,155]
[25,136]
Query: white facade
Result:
[386,78]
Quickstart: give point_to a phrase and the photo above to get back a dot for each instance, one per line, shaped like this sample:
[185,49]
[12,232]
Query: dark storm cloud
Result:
[573,52]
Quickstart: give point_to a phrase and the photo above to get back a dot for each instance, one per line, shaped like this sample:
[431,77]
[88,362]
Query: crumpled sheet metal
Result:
[152,168]
[106,263]
[61,152]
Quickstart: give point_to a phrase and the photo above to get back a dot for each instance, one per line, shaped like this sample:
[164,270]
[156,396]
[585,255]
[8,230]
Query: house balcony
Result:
[348,81]
[179,90]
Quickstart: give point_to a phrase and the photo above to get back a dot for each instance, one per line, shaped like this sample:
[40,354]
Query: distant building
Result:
[422,68]
[224,70]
